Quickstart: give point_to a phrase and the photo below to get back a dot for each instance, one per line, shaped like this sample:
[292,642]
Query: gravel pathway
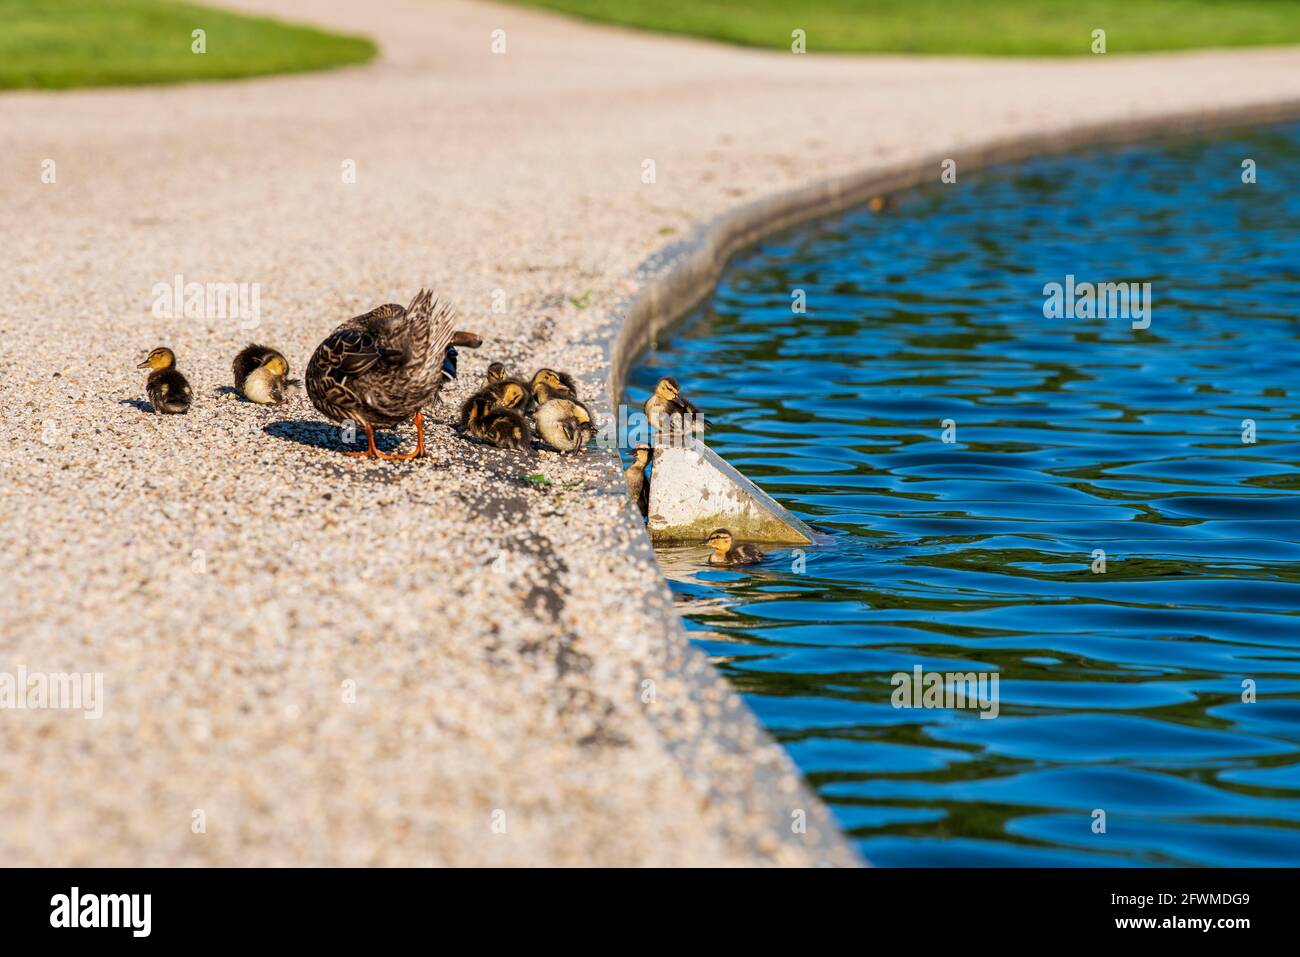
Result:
[309,659]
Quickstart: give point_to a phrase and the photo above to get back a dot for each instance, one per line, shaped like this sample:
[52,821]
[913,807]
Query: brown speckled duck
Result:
[382,368]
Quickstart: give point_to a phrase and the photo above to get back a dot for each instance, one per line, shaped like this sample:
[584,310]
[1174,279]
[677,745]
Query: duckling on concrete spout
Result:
[638,483]
[261,374]
[497,425]
[169,391]
[668,401]
[564,424]
[727,552]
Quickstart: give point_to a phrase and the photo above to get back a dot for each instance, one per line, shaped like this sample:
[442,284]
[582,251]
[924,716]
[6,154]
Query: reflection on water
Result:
[1119,691]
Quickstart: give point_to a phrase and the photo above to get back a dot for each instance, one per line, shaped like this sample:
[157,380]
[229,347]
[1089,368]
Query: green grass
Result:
[56,44]
[997,27]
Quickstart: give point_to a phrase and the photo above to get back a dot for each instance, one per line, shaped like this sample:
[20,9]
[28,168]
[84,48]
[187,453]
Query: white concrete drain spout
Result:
[693,491]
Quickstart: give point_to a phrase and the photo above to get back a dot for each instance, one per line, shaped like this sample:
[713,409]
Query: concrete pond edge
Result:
[670,284]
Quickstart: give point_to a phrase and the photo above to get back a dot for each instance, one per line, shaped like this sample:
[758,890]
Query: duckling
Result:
[495,373]
[561,384]
[381,368]
[497,425]
[261,374]
[638,483]
[507,394]
[564,424]
[667,401]
[725,552]
[169,391]
[878,204]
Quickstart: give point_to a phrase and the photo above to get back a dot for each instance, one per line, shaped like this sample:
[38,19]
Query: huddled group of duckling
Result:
[382,368]
[498,412]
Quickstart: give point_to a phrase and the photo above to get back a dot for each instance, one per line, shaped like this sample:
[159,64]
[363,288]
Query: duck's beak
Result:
[143,365]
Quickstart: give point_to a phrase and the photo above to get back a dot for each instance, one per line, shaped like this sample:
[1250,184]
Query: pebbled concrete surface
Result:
[342,662]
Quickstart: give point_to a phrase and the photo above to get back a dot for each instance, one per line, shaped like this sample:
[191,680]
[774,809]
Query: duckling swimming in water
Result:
[638,483]
[564,424]
[495,424]
[382,368]
[667,401]
[726,552]
[261,374]
[169,391]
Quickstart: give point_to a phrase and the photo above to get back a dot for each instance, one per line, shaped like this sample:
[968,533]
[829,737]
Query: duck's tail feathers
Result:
[435,323]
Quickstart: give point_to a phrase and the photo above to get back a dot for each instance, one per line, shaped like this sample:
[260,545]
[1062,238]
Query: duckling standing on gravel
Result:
[727,552]
[564,423]
[495,373]
[638,483]
[667,401]
[382,368]
[169,391]
[261,374]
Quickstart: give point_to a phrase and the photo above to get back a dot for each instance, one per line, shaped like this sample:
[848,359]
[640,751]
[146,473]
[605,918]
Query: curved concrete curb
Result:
[675,280]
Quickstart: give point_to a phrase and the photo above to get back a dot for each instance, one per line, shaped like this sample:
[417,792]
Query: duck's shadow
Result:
[138,404]
[323,435]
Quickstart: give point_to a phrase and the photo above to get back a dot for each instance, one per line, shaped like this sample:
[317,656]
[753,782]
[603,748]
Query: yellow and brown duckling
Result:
[559,384]
[727,551]
[563,423]
[169,391]
[261,374]
[496,371]
[667,401]
[381,368]
[638,483]
[502,425]
[511,394]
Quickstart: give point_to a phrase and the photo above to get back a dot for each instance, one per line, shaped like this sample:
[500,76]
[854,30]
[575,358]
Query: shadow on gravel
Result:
[139,404]
[323,435]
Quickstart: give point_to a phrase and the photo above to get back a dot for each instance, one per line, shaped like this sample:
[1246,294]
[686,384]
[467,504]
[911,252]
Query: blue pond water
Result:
[1119,691]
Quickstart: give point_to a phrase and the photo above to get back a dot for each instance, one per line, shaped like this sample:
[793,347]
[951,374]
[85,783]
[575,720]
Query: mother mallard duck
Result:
[382,368]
